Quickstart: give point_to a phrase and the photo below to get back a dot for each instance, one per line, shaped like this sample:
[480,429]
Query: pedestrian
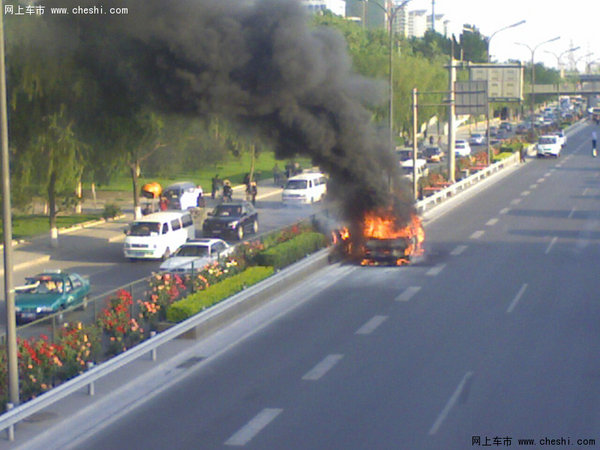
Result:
[216,185]
[522,153]
[253,191]
[276,175]
[247,181]
[164,203]
[289,167]
[594,139]
[227,191]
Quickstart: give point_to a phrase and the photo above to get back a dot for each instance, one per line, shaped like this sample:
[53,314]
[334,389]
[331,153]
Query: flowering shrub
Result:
[121,329]
[164,289]
[79,344]
[38,365]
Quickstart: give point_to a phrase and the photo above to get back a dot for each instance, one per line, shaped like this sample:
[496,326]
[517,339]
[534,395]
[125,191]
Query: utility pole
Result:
[451,115]
[433,15]
[415,146]
[9,291]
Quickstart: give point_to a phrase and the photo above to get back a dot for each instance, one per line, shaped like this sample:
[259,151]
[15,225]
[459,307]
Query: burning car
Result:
[381,239]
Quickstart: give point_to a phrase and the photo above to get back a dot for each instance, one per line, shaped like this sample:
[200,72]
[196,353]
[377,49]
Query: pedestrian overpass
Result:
[588,85]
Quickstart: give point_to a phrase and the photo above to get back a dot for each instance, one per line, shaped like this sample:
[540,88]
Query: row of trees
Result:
[71,123]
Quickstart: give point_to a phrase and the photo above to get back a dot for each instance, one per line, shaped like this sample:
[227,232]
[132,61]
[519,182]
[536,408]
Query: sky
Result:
[575,21]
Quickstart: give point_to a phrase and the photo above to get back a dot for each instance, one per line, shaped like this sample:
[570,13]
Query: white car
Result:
[422,169]
[195,255]
[183,195]
[462,148]
[562,137]
[477,139]
[548,145]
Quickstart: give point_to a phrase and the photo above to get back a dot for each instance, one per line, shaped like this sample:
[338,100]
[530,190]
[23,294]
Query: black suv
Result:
[231,220]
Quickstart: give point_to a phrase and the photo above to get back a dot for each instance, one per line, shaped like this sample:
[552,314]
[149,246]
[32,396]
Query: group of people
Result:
[227,190]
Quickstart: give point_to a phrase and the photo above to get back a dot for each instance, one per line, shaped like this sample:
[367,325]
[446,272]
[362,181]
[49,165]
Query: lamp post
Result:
[390,13]
[520,22]
[582,57]
[559,66]
[532,50]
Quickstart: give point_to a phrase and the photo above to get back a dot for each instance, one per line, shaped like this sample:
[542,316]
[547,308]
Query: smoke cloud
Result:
[259,63]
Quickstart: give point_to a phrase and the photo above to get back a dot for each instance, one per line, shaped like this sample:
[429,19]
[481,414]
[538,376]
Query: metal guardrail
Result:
[433,200]
[231,306]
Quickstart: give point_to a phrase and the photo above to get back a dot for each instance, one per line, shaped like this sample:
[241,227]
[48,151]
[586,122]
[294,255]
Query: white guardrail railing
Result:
[149,347]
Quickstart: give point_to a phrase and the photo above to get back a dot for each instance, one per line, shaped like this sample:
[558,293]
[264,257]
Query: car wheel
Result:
[240,232]
[255,226]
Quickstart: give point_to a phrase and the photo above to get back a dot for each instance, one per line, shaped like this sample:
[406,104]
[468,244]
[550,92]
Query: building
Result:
[417,23]
[441,25]
[337,7]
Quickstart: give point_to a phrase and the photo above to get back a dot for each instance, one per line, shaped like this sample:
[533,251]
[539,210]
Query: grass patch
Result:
[25,226]
[234,169]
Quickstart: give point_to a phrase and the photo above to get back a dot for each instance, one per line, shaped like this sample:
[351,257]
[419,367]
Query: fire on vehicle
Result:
[381,238]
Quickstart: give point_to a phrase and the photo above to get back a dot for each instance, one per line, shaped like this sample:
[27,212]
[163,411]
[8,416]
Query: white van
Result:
[305,188]
[158,235]
[422,169]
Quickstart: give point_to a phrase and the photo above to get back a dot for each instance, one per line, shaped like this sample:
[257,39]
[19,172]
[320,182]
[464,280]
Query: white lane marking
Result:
[516,201]
[477,234]
[533,186]
[547,174]
[451,402]
[458,250]
[525,193]
[252,428]
[492,222]
[504,210]
[408,293]
[515,300]
[585,191]
[551,244]
[541,180]
[435,270]
[322,368]
[570,216]
[371,325]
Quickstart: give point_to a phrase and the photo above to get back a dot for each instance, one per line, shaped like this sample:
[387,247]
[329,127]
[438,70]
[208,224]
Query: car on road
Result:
[493,131]
[304,189]
[404,154]
[505,126]
[231,220]
[195,254]
[49,292]
[462,148]
[523,128]
[422,169]
[183,195]
[477,139]
[562,137]
[433,154]
[548,145]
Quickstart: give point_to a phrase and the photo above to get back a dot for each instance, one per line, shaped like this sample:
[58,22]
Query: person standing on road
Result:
[216,185]
[594,139]
[227,191]
[253,191]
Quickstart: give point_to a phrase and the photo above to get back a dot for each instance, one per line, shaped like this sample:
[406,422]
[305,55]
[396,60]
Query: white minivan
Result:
[304,189]
[158,235]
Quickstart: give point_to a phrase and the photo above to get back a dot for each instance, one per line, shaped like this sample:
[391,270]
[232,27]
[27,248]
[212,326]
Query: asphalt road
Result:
[493,336]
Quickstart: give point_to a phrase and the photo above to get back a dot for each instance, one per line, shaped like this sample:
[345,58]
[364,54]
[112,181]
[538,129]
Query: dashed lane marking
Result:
[515,300]
[458,250]
[371,325]
[477,234]
[451,402]
[252,428]
[322,368]
[435,270]
[408,293]
[492,222]
[551,244]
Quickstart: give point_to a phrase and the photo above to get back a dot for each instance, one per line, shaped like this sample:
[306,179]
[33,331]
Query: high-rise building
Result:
[335,6]
[417,23]
[441,25]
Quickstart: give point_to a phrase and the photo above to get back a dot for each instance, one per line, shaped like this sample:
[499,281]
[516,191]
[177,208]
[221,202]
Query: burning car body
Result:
[381,238]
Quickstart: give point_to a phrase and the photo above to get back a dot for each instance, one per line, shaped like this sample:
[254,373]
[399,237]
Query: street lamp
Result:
[521,22]
[580,58]
[532,50]
[559,56]
[391,15]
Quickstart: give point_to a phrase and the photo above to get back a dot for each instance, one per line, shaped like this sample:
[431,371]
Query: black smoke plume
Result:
[259,63]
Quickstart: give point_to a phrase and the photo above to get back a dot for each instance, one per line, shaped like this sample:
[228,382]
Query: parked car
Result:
[48,293]
[195,254]
[493,131]
[231,220]
[462,148]
[422,169]
[523,128]
[505,126]
[183,195]
[433,154]
[477,139]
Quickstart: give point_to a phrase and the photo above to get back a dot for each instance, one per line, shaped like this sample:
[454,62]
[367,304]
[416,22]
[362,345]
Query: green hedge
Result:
[501,156]
[201,300]
[288,252]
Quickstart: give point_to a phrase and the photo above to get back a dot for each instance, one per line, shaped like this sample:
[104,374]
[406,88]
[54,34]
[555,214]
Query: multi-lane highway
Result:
[493,338]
